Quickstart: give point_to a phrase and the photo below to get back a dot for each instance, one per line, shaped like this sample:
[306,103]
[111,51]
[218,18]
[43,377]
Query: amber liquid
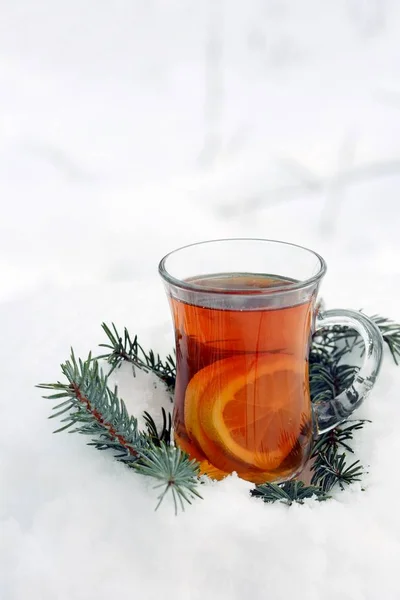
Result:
[242,393]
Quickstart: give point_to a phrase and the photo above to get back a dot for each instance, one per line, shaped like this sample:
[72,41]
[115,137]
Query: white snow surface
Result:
[128,129]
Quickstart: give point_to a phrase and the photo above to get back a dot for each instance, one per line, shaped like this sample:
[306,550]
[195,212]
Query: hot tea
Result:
[242,394]
[242,338]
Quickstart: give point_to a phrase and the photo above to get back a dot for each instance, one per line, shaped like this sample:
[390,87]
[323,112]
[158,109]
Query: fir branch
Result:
[327,376]
[174,469]
[343,340]
[288,492]
[94,409]
[331,469]
[391,335]
[124,348]
[97,411]
[164,435]
[336,438]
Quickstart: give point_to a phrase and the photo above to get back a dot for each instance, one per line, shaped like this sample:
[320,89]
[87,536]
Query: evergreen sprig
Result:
[344,340]
[92,408]
[174,470]
[125,349]
[331,469]
[337,438]
[391,335]
[288,492]
[89,406]
[159,437]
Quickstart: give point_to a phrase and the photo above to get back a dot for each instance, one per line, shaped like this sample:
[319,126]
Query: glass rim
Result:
[288,287]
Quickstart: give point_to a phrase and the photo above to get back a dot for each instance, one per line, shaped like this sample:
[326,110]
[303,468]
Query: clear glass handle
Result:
[331,412]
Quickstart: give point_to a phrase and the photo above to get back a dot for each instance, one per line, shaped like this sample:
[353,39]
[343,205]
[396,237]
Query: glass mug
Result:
[244,312]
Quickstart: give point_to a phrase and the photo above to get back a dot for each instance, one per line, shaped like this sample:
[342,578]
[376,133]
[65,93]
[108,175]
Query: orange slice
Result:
[200,387]
[244,412]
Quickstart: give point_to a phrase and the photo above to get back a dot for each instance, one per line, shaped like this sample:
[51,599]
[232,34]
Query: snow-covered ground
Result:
[128,129]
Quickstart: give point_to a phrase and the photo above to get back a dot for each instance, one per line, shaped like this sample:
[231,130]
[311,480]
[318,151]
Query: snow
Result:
[126,130]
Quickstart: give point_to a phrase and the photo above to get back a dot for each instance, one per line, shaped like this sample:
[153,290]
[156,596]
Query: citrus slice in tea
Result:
[206,384]
[245,412]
